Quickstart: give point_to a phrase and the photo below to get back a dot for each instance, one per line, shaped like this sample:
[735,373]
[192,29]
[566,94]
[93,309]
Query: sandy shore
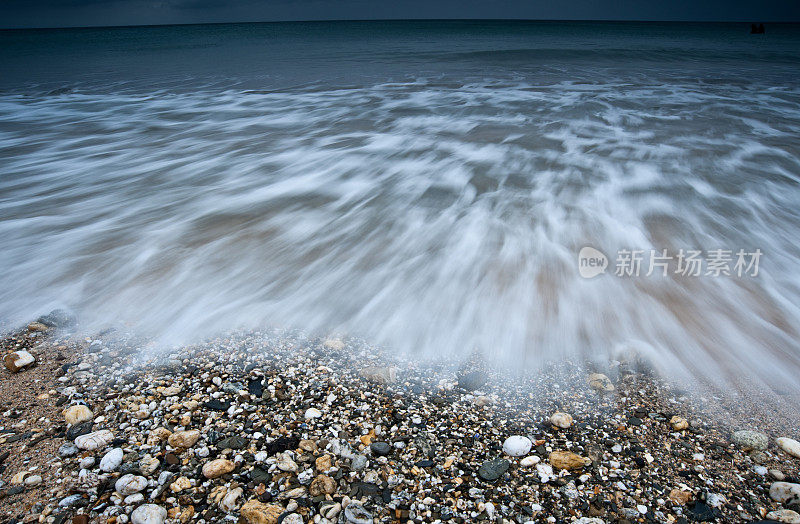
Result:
[279,427]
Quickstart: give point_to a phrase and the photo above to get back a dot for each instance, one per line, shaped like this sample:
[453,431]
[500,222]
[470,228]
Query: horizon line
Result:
[599,20]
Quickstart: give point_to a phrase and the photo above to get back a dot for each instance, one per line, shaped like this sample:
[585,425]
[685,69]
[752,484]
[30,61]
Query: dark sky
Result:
[58,13]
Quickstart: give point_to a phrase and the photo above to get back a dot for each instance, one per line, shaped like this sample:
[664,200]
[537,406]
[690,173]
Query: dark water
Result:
[283,55]
[426,184]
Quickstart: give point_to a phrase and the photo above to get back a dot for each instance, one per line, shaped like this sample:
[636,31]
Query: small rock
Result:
[292,518]
[472,381]
[355,513]
[37,326]
[229,501]
[517,445]
[77,414]
[234,442]
[184,439]
[680,497]
[358,462]
[130,484]
[678,423]
[545,472]
[256,512]
[784,492]
[285,463]
[217,468]
[94,441]
[380,449]
[750,440]
[561,420]
[171,391]
[380,374]
[17,360]
[322,485]
[600,382]
[784,515]
[312,413]
[111,460]
[33,480]
[566,460]
[148,514]
[777,474]
[323,463]
[789,445]
[334,343]
[492,470]
[68,449]
[529,462]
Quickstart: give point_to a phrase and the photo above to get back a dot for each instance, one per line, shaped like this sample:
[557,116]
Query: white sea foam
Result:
[433,219]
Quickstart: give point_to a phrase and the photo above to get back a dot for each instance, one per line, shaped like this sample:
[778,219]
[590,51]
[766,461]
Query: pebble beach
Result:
[281,427]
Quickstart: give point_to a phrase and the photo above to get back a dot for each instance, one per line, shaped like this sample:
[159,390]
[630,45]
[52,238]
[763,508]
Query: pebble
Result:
[68,449]
[77,414]
[380,449]
[148,514]
[111,460]
[33,480]
[785,492]
[600,382]
[380,374]
[285,463]
[217,468]
[545,472]
[517,446]
[750,440]
[230,501]
[472,381]
[566,460]
[561,420]
[292,518]
[256,512]
[312,413]
[355,513]
[789,445]
[492,470]
[679,423]
[18,360]
[130,484]
[243,451]
[322,485]
[94,441]
[784,515]
[184,439]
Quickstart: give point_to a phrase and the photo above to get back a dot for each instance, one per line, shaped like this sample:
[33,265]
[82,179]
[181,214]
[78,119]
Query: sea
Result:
[532,191]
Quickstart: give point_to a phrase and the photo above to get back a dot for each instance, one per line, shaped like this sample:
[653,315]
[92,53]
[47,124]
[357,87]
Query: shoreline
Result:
[297,418]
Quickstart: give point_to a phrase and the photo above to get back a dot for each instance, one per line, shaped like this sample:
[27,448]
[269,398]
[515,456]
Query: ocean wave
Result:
[431,218]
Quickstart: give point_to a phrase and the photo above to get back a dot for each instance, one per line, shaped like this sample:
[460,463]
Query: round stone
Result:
[149,514]
[130,484]
[111,460]
[517,445]
[380,449]
[561,420]
[789,445]
[750,440]
[217,468]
